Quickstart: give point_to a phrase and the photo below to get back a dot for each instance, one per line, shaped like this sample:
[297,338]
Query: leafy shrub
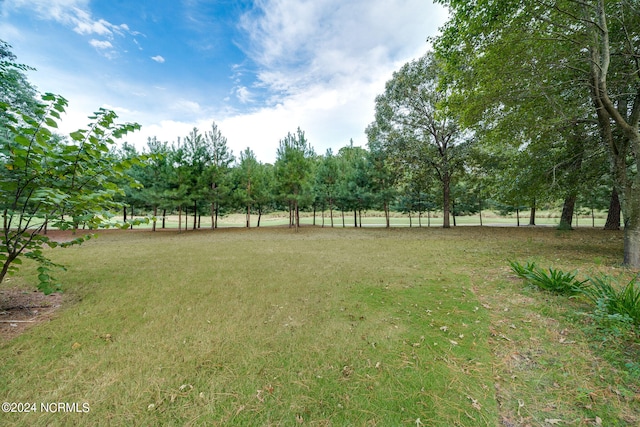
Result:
[623,303]
[522,270]
[555,281]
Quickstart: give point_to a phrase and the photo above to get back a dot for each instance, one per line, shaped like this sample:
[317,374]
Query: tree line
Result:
[518,104]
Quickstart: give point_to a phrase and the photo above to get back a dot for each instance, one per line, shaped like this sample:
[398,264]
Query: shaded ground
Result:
[20,309]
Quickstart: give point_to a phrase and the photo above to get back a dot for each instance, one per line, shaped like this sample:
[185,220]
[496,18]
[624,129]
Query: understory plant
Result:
[612,300]
[552,280]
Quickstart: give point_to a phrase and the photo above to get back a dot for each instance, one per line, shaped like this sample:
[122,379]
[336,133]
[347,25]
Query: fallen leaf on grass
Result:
[553,421]
[474,403]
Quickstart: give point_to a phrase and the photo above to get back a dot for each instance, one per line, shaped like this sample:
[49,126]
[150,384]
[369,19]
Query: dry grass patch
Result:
[321,327]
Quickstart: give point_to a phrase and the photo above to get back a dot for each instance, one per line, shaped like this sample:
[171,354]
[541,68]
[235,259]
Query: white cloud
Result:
[243,94]
[187,107]
[320,63]
[298,43]
[71,13]
[100,44]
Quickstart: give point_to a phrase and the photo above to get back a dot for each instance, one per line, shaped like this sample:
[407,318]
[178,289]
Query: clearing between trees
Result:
[324,327]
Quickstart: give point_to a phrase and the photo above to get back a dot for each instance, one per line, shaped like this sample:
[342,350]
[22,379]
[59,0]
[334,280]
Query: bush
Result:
[623,303]
[554,280]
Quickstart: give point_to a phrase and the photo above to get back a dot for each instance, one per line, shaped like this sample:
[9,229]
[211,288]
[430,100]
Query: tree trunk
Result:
[290,214]
[179,219]
[446,200]
[195,213]
[124,213]
[607,112]
[213,215]
[155,218]
[386,213]
[566,218]
[6,265]
[331,213]
[259,216]
[632,247]
[532,214]
[518,217]
[164,218]
[248,222]
[453,211]
[613,216]
[355,218]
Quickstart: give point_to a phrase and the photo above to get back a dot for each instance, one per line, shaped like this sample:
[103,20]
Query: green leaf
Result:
[50,122]
[77,135]
[22,140]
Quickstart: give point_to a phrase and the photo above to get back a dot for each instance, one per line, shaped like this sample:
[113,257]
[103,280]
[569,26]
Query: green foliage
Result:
[554,280]
[293,169]
[414,128]
[621,305]
[47,180]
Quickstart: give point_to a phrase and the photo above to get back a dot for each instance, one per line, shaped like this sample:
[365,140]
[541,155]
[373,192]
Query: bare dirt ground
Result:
[21,309]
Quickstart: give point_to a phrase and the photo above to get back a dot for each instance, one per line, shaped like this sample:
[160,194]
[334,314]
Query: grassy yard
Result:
[324,327]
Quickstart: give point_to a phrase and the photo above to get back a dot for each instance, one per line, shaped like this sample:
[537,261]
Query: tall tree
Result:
[326,182]
[293,170]
[576,60]
[355,185]
[155,176]
[383,176]
[247,178]
[414,124]
[217,174]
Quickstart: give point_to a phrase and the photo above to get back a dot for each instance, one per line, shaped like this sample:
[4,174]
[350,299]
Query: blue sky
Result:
[258,69]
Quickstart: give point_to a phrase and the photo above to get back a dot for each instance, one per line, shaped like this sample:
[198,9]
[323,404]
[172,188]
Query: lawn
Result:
[324,327]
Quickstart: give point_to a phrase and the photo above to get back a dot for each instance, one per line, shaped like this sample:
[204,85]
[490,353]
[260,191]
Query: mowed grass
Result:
[329,327]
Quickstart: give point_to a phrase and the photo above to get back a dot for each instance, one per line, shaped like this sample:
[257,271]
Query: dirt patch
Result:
[20,310]
[62,236]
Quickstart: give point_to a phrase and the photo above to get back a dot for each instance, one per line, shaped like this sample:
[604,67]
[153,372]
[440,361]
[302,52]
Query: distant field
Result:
[323,327]
[376,219]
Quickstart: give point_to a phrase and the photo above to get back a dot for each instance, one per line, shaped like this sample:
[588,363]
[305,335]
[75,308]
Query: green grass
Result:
[320,327]
[376,219]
